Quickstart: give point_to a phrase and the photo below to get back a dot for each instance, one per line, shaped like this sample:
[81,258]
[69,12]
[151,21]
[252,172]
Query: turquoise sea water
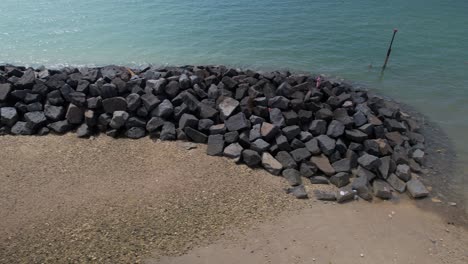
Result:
[428,68]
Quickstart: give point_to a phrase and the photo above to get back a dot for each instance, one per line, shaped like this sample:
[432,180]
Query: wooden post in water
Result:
[389,49]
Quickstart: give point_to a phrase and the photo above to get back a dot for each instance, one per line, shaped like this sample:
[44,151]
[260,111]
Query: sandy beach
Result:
[102,200]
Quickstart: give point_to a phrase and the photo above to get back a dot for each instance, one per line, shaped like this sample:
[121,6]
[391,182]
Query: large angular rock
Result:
[27,80]
[233,151]
[324,195]
[369,162]
[323,164]
[165,109]
[74,114]
[119,118]
[282,142]
[270,164]
[416,188]
[356,135]
[361,186]
[206,111]
[340,179]
[8,115]
[335,129]
[215,145]
[195,135]
[260,145]
[60,127]
[188,120]
[35,119]
[291,132]
[168,131]
[313,147]
[255,132]
[293,176]
[227,107]
[318,127]
[21,128]
[172,89]
[418,156]
[384,166]
[342,165]
[286,160]
[83,131]
[149,101]
[53,112]
[300,154]
[403,172]
[298,191]
[345,194]
[396,183]
[154,124]
[307,169]
[268,131]
[382,189]
[326,144]
[237,122]
[251,157]
[5,89]
[276,117]
[319,180]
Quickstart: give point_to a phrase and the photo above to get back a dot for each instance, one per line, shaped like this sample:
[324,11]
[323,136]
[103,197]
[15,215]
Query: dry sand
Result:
[69,200]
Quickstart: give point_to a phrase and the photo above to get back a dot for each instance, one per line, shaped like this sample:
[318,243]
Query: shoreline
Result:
[443,141]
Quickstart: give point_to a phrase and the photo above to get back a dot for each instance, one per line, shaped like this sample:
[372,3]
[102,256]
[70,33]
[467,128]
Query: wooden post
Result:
[389,49]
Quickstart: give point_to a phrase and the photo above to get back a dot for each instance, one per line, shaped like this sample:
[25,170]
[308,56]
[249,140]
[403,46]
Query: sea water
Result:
[428,68]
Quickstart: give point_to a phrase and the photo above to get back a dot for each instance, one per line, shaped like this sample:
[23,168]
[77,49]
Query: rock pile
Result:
[292,125]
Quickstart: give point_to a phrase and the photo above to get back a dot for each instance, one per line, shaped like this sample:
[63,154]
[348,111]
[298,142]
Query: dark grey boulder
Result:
[33,107]
[318,127]
[403,172]
[280,102]
[191,101]
[188,120]
[195,135]
[382,189]
[254,133]
[324,195]
[60,127]
[172,89]
[396,183]
[205,124]
[276,117]
[296,143]
[356,135]
[286,160]
[342,165]
[27,80]
[119,119]
[165,109]
[5,89]
[43,131]
[369,162]
[313,147]
[340,179]
[416,188]
[335,129]
[168,132]
[135,132]
[35,120]
[156,86]
[219,129]
[78,99]
[307,169]
[260,145]
[251,157]
[134,122]
[54,113]
[298,191]
[107,90]
[154,124]
[300,154]
[8,115]
[215,145]
[345,194]
[110,105]
[359,118]
[361,186]
[237,122]
[292,176]
[21,128]
[133,101]
[55,98]
[319,180]
[384,167]
[291,132]
[206,111]
[418,156]
[326,144]
[233,151]
[282,143]
[74,114]
[149,101]
[231,137]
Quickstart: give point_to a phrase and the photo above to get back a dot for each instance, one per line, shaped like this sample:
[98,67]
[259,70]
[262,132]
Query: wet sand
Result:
[64,199]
